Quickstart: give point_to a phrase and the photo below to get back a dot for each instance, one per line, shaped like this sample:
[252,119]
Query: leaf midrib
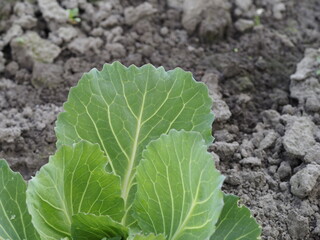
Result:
[128,175]
[189,214]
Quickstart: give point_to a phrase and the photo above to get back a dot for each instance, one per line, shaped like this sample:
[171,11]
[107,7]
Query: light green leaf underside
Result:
[236,223]
[123,109]
[93,227]
[148,237]
[73,181]
[15,221]
[178,188]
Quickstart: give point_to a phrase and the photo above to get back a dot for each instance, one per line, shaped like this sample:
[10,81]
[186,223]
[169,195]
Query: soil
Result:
[261,69]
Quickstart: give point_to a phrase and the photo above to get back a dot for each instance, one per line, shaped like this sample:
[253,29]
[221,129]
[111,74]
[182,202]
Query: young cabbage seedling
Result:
[132,163]
[73,15]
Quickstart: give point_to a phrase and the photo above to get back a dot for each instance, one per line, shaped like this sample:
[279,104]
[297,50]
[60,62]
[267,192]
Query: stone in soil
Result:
[52,11]
[212,81]
[26,22]
[307,92]
[243,25]
[220,107]
[221,110]
[67,33]
[52,76]
[13,32]
[216,23]
[298,137]
[252,161]
[82,45]
[307,65]
[24,15]
[268,140]
[297,225]
[244,5]
[223,136]
[224,150]
[305,85]
[117,50]
[278,10]
[134,14]
[284,170]
[313,154]
[30,48]
[303,182]
[246,148]
[212,17]
[270,117]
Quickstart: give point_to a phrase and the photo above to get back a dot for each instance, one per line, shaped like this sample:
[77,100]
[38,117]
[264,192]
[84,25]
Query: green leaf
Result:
[93,227]
[15,221]
[148,237]
[236,222]
[178,188]
[123,109]
[73,181]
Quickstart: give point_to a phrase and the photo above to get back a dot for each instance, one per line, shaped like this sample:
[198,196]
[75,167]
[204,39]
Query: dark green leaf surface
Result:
[15,221]
[178,188]
[93,227]
[73,181]
[123,109]
[236,223]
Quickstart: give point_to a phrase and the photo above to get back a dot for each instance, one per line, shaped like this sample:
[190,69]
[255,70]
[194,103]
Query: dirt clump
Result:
[259,59]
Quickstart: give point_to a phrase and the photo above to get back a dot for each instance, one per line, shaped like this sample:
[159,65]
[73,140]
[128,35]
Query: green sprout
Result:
[74,15]
[257,17]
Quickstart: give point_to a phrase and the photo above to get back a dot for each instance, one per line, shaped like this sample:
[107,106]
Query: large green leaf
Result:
[148,237]
[73,181]
[236,222]
[15,221]
[178,188]
[93,227]
[123,109]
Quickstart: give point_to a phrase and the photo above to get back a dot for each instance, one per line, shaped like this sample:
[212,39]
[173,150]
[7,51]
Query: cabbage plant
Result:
[131,163]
